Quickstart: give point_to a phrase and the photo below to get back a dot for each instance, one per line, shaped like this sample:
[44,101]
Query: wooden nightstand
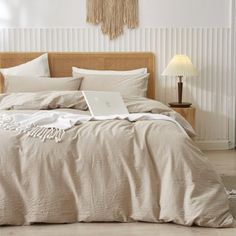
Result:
[187,113]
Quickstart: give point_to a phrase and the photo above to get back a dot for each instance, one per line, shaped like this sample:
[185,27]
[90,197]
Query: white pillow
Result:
[38,67]
[140,71]
[16,84]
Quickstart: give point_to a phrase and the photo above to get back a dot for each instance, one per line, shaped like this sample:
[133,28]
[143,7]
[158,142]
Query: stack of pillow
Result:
[34,76]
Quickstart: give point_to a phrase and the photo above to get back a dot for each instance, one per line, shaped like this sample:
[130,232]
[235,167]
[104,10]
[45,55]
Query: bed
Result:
[111,170]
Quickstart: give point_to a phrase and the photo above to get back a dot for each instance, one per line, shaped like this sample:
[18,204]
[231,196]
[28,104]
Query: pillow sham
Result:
[140,71]
[37,67]
[35,84]
[135,85]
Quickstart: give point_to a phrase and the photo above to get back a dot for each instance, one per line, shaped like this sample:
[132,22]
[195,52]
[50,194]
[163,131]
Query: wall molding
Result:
[233,67]
[212,93]
[210,145]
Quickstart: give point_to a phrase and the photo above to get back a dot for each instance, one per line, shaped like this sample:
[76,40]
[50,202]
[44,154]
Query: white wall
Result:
[199,28]
[153,13]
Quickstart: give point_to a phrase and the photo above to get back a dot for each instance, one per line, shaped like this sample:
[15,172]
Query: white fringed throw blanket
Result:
[52,124]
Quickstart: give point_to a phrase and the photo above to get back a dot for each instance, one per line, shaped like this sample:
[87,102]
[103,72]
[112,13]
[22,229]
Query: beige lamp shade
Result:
[180,65]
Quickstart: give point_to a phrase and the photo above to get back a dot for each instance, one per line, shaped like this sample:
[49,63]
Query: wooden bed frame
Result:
[61,63]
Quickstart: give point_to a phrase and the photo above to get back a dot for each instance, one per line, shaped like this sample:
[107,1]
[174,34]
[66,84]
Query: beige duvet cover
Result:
[112,170]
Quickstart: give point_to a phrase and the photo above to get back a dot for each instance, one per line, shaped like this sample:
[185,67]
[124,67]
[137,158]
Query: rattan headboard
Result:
[61,63]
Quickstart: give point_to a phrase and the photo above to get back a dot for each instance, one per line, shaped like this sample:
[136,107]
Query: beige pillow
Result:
[36,84]
[36,67]
[131,85]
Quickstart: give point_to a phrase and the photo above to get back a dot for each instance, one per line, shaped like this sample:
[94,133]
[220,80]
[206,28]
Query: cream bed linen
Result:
[112,170]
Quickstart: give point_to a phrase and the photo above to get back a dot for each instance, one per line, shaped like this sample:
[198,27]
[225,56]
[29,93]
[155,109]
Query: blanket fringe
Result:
[7,123]
[231,194]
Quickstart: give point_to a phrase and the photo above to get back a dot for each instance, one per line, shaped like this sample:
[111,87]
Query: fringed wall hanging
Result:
[113,15]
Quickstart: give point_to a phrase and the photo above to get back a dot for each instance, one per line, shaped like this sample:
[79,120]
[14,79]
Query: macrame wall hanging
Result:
[113,15]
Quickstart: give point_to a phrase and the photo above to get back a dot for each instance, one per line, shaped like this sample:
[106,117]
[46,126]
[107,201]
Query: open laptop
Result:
[105,103]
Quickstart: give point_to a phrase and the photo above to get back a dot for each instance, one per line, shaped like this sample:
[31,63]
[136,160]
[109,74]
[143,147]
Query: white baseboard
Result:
[214,145]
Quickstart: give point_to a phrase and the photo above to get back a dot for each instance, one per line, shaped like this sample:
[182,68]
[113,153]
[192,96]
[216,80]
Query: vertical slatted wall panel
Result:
[209,49]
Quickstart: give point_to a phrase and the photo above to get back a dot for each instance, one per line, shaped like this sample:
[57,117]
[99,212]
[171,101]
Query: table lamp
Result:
[180,66]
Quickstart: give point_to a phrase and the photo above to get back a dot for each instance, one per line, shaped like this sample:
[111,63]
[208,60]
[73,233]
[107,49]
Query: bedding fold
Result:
[75,100]
[53,125]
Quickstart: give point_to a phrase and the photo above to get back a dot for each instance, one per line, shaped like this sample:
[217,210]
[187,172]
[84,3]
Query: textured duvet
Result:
[112,170]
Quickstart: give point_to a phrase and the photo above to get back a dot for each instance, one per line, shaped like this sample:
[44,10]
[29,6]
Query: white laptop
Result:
[105,103]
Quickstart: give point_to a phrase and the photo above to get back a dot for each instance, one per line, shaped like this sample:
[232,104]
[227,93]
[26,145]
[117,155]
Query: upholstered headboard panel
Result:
[61,63]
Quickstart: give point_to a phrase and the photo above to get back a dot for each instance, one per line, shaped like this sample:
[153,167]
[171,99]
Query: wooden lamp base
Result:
[180,91]
[182,104]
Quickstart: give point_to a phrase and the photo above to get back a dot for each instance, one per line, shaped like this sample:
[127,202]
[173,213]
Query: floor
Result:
[218,159]
[224,162]
[101,229]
